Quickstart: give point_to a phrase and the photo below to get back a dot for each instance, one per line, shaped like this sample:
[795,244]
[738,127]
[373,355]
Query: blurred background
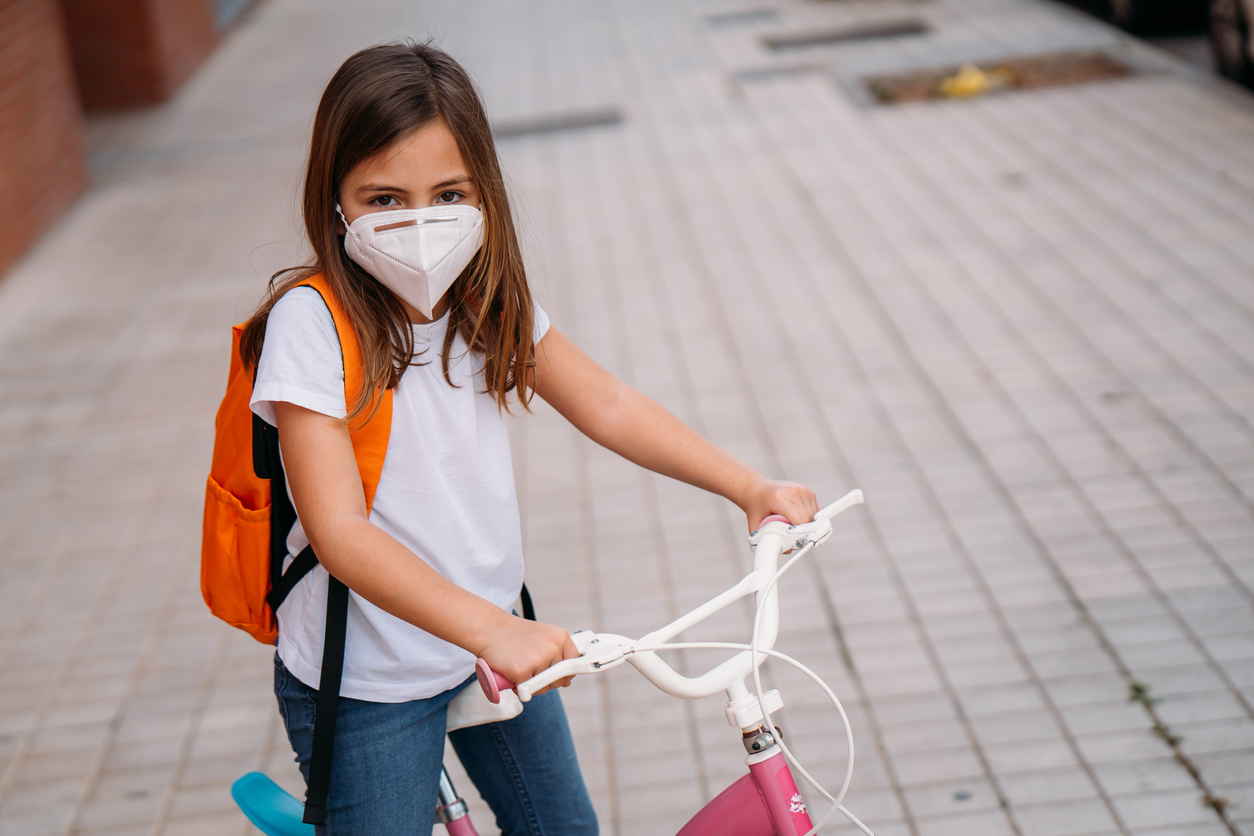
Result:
[989,260]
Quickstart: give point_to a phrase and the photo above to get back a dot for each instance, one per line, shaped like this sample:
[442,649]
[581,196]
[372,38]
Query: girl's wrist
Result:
[747,489]
[485,621]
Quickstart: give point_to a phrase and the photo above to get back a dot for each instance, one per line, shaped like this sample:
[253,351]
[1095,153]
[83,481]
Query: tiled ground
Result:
[1022,325]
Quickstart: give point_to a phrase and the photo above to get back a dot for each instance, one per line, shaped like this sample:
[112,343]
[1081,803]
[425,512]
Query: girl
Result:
[406,212]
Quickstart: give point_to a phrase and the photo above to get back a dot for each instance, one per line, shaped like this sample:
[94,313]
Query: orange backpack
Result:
[247,513]
[248,517]
[247,520]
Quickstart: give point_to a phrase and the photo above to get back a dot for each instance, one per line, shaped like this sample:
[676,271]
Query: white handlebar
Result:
[854,497]
[602,651]
[735,669]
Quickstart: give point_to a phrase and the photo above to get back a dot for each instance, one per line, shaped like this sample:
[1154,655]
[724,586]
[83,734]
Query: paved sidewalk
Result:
[1023,325]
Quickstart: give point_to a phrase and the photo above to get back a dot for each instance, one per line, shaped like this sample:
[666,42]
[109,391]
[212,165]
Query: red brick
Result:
[42,152]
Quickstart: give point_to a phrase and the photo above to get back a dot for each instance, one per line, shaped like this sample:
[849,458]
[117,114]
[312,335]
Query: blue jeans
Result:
[386,766]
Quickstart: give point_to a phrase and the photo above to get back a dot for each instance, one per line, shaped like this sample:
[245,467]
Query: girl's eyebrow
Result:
[379,187]
[373,187]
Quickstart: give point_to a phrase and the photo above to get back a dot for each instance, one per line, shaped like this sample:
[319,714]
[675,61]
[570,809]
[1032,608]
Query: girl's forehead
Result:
[428,153]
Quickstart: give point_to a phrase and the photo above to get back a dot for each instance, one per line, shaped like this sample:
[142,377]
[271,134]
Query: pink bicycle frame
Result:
[763,803]
[461,827]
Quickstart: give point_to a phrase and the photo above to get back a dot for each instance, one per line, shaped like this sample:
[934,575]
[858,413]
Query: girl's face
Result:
[423,168]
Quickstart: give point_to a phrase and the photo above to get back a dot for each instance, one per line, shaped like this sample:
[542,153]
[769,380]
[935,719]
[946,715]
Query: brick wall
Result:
[56,54]
[42,164]
[137,52]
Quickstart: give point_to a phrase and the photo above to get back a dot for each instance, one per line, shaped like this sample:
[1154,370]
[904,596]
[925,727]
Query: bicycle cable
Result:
[758,692]
[787,754]
[754,652]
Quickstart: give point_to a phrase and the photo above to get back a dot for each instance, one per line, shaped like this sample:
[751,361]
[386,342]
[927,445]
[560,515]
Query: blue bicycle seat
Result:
[269,806]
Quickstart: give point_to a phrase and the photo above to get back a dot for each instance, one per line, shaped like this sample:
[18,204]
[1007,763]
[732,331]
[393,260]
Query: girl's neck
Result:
[437,313]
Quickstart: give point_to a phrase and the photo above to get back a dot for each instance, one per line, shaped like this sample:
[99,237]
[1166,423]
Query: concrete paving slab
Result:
[1021,323]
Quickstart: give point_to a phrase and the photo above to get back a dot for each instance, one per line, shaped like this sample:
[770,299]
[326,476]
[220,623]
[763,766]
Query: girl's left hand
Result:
[788,499]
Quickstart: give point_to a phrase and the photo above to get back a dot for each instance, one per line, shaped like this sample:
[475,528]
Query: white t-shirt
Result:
[446,493]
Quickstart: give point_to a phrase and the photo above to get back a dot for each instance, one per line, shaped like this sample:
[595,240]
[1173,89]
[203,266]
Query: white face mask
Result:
[417,253]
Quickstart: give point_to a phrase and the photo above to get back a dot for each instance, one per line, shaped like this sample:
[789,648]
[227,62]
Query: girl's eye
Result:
[384,200]
[448,197]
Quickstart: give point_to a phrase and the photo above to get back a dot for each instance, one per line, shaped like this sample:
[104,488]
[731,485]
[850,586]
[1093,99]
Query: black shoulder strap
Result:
[268,464]
[328,704]
[301,565]
[529,610]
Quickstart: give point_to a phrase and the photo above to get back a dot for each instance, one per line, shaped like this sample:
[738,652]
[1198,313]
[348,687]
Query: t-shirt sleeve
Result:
[540,321]
[301,362]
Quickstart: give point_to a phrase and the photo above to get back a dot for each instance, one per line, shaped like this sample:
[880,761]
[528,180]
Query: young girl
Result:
[409,223]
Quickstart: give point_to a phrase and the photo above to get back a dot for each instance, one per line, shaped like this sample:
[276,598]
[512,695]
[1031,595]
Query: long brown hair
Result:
[376,97]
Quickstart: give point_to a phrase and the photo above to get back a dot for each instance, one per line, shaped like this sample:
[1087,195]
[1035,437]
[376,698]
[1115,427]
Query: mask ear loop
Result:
[343,219]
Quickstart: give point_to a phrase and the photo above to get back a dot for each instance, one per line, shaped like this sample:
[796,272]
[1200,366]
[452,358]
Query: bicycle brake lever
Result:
[816,531]
[602,651]
[582,639]
[812,532]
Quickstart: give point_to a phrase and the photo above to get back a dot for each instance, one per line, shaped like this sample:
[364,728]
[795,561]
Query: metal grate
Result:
[1024,72]
[551,123]
[901,27]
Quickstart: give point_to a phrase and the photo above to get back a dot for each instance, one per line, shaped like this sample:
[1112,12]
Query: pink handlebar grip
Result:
[491,682]
[773,518]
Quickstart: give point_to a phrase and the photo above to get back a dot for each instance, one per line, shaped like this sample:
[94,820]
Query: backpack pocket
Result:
[235,563]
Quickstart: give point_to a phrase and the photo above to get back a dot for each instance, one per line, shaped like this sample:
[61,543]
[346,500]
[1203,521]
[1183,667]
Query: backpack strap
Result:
[327,708]
[268,464]
[369,435]
[301,565]
[369,432]
[528,608]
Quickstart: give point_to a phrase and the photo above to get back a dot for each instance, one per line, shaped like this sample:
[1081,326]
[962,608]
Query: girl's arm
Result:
[636,427]
[326,490]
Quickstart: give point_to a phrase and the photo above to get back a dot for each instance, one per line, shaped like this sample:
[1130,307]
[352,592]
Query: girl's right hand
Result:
[519,649]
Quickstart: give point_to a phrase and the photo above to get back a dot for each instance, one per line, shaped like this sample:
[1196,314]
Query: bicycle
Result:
[765,802]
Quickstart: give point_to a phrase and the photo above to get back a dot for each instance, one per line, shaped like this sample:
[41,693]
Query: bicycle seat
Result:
[269,806]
